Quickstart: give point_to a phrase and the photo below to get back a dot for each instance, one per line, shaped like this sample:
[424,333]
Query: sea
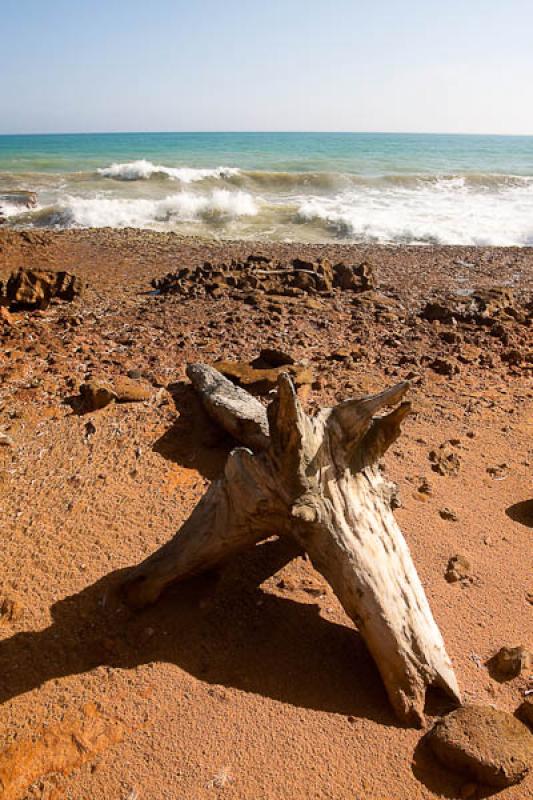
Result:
[290,187]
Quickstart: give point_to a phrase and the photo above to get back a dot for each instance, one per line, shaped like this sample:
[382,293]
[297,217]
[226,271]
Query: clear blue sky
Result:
[394,65]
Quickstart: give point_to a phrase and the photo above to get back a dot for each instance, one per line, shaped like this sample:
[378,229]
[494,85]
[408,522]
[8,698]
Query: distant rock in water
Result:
[258,273]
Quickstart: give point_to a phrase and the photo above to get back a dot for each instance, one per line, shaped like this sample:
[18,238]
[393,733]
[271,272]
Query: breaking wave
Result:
[447,211]
[144,170]
[469,209]
[119,212]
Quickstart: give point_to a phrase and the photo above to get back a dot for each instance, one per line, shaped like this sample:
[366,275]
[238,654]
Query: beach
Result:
[253,682]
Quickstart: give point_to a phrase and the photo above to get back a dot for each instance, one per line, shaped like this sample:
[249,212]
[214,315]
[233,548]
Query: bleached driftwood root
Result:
[316,479]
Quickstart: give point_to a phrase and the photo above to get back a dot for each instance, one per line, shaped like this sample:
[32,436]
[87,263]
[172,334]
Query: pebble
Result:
[458,569]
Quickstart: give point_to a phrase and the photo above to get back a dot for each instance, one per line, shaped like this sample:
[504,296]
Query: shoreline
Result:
[426,267]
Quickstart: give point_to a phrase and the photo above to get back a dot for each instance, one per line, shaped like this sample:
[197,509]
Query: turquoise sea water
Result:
[412,188]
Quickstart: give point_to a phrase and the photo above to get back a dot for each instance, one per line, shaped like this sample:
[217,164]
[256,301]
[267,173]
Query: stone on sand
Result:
[484,744]
[509,662]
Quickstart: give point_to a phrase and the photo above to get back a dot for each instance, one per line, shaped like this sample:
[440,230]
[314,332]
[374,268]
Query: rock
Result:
[377,301]
[96,395]
[9,608]
[458,569]
[275,357]
[255,275]
[129,390]
[34,288]
[484,744]
[357,278]
[509,662]
[425,487]
[448,515]
[479,306]
[499,471]
[513,357]
[437,311]
[490,301]
[525,711]
[340,355]
[445,460]
[5,440]
[5,317]
[262,381]
[445,366]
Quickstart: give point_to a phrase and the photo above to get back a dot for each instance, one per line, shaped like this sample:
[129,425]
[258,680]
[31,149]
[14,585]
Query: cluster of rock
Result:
[31,289]
[478,324]
[258,273]
[479,307]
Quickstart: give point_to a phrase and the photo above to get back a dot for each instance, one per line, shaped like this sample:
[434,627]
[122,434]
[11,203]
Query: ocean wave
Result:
[468,209]
[447,211]
[118,212]
[144,170]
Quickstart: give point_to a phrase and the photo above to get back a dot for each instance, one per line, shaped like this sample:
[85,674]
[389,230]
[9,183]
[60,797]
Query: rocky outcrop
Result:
[35,288]
[478,306]
[257,273]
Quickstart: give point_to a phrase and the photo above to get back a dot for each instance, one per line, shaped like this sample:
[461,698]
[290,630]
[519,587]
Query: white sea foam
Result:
[143,170]
[450,211]
[10,209]
[118,212]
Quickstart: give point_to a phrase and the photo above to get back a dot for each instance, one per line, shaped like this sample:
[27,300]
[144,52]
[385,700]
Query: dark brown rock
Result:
[525,711]
[445,366]
[484,744]
[275,357]
[509,662]
[458,569]
[445,460]
[448,515]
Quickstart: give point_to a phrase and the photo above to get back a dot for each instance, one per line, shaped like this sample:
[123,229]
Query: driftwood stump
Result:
[315,479]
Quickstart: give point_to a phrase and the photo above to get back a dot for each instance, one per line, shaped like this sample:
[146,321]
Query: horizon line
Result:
[263,132]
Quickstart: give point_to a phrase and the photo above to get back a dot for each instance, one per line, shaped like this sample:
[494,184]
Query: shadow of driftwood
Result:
[194,440]
[521,512]
[225,631]
[439,780]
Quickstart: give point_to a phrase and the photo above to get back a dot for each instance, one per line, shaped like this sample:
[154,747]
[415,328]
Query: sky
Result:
[463,66]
